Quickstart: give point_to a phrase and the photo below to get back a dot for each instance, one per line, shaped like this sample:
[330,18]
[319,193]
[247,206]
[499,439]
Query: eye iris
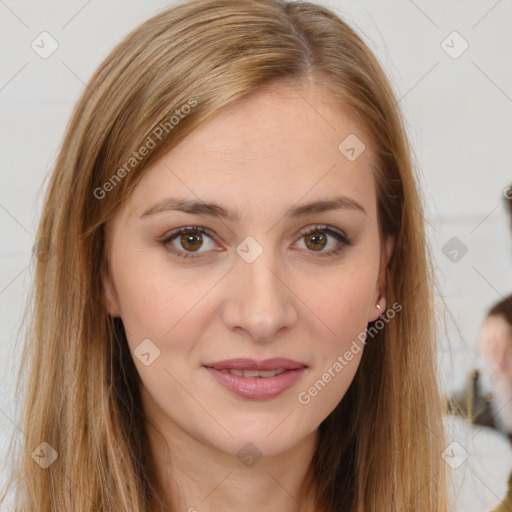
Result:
[191,242]
[316,239]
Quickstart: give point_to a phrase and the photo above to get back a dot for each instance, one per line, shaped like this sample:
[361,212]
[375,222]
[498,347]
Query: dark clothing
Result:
[471,404]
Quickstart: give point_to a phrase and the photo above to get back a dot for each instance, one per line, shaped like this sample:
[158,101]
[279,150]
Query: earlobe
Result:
[377,309]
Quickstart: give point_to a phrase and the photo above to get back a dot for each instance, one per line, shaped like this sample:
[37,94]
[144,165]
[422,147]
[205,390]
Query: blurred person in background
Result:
[492,408]
[496,351]
[508,199]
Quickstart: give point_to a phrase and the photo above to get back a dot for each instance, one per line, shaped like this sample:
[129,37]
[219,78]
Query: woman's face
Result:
[496,348]
[248,281]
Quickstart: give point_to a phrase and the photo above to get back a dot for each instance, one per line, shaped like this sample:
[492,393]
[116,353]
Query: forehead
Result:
[281,143]
[497,325]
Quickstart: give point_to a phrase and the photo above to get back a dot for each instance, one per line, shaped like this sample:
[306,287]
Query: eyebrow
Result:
[213,209]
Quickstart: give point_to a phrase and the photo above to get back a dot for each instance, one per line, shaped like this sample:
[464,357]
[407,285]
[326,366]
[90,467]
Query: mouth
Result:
[246,364]
[253,373]
[256,379]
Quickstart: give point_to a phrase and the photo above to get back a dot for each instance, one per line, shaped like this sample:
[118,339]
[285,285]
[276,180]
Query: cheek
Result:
[492,349]
[343,300]
[488,348]
[345,305]
[155,297]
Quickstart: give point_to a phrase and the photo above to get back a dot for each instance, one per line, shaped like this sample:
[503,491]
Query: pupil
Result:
[317,239]
[191,242]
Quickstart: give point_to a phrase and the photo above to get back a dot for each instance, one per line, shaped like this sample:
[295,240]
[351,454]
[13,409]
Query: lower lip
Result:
[257,387]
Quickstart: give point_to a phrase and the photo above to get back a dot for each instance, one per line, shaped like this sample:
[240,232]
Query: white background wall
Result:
[458,112]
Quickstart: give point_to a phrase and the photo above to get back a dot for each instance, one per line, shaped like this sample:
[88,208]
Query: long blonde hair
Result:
[380,449]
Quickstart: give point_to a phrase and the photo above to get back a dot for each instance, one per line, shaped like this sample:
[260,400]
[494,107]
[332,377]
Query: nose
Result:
[259,303]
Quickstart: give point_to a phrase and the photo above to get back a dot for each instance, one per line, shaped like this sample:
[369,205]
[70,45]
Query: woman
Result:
[233,303]
[496,350]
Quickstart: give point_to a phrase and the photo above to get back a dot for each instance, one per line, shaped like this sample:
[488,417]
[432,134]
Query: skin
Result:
[496,344]
[496,351]
[274,150]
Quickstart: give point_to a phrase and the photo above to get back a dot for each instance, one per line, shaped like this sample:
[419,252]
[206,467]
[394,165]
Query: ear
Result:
[109,296]
[380,293]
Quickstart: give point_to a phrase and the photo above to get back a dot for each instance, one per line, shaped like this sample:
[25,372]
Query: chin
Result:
[248,441]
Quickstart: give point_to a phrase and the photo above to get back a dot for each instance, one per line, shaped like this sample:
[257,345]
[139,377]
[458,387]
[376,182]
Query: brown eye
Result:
[324,240]
[316,241]
[191,241]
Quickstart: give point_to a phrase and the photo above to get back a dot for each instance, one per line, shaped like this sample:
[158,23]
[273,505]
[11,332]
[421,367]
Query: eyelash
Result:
[345,241]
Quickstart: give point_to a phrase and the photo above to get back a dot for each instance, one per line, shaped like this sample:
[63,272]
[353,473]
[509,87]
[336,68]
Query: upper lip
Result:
[250,364]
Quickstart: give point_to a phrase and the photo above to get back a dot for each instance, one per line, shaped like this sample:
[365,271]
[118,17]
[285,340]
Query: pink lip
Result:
[257,387]
[250,364]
